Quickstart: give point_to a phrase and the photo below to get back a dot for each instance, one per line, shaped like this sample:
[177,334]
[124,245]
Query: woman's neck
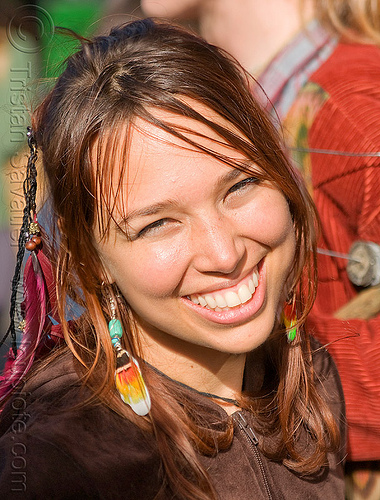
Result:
[253,31]
[202,369]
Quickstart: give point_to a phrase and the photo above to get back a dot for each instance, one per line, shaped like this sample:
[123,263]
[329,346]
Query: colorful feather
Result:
[39,309]
[128,379]
[130,383]
[290,320]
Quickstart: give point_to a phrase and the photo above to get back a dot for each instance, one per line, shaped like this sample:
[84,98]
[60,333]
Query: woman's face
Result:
[171,9]
[208,250]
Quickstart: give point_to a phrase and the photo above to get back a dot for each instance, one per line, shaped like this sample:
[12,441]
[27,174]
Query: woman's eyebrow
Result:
[235,173]
[173,203]
[153,209]
[229,177]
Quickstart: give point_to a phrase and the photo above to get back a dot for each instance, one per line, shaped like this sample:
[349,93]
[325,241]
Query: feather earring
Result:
[128,378]
[289,318]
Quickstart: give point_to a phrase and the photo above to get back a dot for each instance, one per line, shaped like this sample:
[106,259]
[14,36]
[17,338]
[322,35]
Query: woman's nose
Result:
[216,247]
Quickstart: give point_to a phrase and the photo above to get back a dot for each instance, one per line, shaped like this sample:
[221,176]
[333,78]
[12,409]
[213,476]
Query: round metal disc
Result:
[364,270]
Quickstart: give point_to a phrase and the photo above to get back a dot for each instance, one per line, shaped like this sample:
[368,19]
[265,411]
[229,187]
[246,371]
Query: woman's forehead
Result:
[156,155]
[195,126]
[140,140]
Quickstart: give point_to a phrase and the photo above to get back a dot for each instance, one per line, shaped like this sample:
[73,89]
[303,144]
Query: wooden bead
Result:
[37,240]
[30,245]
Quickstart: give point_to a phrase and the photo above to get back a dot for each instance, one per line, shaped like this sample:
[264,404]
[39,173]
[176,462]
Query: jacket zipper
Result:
[252,439]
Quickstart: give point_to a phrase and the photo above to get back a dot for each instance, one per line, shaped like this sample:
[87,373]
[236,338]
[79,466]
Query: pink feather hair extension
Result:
[42,329]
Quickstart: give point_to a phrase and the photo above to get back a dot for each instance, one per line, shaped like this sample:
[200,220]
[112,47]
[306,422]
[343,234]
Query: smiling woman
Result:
[195,234]
[184,233]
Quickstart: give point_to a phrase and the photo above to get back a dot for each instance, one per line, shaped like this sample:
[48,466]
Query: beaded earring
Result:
[289,317]
[128,378]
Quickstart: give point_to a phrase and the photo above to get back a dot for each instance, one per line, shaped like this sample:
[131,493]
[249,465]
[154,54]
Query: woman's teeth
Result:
[221,300]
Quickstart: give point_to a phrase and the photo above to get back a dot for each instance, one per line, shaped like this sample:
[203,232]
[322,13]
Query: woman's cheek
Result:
[157,269]
[269,223]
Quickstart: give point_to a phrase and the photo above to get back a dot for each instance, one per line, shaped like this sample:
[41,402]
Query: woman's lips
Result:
[229,297]
[235,304]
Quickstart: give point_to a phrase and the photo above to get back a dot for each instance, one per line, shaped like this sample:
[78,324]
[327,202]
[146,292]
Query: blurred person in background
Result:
[319,64]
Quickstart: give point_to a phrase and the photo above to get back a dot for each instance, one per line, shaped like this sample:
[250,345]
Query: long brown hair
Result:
[139,68]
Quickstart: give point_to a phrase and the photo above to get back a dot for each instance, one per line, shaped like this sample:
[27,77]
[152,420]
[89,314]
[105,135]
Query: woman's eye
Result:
[154,226]
[243,184]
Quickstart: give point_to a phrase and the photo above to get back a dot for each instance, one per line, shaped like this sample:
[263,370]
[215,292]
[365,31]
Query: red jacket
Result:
[339,110]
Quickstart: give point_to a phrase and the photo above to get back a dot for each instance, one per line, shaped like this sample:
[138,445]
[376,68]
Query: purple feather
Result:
[39,303]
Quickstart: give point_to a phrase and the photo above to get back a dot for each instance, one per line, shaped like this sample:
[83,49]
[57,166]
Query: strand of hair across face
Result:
[185,386]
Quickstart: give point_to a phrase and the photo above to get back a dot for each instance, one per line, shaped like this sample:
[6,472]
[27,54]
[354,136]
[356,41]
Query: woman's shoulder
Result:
[88,450]
[324,368]
[49,385]
[323,363]
[329,386]
[326,373]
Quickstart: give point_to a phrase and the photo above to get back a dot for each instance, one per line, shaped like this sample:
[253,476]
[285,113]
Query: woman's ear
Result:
[105,274]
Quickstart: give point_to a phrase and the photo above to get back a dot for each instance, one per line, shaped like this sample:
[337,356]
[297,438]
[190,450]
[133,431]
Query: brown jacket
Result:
[49,452]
